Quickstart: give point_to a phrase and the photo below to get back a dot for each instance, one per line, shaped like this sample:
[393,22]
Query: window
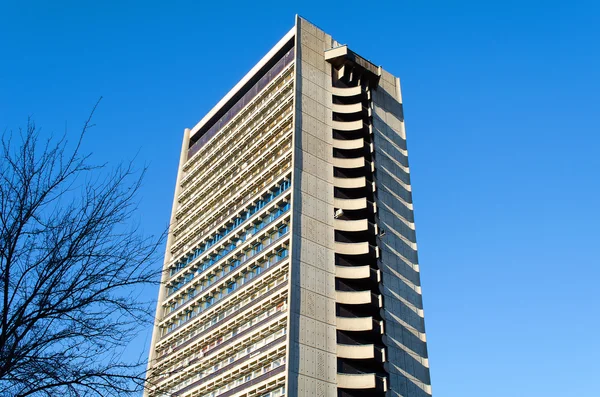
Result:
[231,287]
[282,253]
[282,229]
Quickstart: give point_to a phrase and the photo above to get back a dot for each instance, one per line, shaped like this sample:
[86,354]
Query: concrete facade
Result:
[408,365]
[312,350]
[291,265]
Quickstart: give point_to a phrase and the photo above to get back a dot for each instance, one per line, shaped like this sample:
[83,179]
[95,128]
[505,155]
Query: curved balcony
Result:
[345,92]
[356,381]
[357,352]
[354,323]
[349,143]
[350,204]
[361,248]
[359,182]
[353,297]
[347,109]
[353,272]
[360,225]
[349,163]
[348,125]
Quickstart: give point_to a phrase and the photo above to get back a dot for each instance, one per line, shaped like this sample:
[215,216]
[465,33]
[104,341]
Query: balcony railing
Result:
[234,224]
[211,324]
[210,301]
[243,101]
[354,323]
[233,266]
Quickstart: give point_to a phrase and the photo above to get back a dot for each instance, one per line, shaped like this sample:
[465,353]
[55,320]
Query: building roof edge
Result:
[284,40]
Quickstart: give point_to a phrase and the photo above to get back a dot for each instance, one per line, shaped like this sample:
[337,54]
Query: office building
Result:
[291,264]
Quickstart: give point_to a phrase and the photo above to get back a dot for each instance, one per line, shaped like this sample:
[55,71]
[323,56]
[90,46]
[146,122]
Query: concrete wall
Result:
[404,324]
[312,354]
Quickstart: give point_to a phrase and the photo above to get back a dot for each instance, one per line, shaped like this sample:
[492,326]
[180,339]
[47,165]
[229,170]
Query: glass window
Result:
[282,253]
[231,287]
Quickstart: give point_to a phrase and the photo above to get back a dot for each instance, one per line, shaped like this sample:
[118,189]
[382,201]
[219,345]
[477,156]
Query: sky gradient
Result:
[501,105]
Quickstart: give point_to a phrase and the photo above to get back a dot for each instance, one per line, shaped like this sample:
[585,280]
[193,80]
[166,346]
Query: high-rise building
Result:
[291,264]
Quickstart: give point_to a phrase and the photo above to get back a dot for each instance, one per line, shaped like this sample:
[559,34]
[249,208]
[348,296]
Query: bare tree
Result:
[72,261]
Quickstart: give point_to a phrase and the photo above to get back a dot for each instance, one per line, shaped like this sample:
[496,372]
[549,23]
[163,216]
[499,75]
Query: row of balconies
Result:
[236,221]
[272,385]
[208,367]
[217,206]
[200,384]
[198,303]
[203,359]
[247,342]
[211,191]
[269,380]
[237,373]
[190,375]
[197,325]
[360,351]
[227,318]
[214,222]
[206,215]
[241,151]
[277,83]
[229,241]
[222,172]
[212,352]
[277,278]
[226,135]
[238,250]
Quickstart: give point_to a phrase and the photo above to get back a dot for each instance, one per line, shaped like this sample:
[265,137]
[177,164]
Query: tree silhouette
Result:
[72,260]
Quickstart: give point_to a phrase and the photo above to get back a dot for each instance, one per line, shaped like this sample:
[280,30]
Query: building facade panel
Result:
[405,331]
[312,359]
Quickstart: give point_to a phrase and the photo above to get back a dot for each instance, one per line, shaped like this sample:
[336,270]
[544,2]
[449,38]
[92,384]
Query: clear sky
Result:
[501,105]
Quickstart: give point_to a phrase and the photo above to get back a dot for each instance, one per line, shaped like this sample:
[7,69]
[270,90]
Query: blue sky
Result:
[501,105]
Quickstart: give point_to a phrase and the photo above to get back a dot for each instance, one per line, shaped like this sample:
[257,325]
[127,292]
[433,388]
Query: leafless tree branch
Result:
[71,256]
